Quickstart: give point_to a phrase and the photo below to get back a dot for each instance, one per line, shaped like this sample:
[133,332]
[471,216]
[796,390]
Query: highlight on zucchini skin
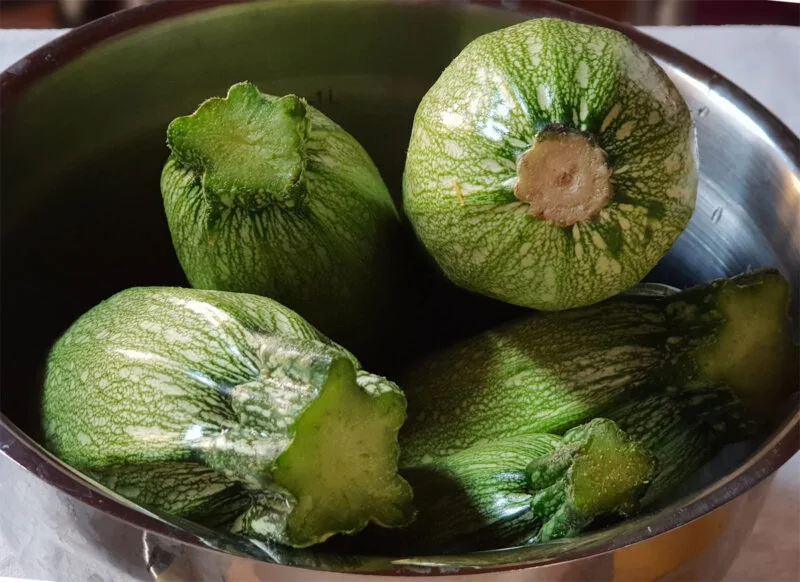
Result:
[551,371]
[526,488]
[228,409]
[266,195]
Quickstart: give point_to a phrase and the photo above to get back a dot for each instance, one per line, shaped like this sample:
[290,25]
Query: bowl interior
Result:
[82,151]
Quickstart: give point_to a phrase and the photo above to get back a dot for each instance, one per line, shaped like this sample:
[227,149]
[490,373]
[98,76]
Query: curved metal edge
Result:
[17,78]
[28,454]
[22,450]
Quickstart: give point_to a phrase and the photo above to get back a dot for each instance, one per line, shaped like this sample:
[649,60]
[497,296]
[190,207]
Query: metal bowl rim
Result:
[778,449]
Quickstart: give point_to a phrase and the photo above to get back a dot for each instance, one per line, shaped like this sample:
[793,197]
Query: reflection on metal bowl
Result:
[83,132]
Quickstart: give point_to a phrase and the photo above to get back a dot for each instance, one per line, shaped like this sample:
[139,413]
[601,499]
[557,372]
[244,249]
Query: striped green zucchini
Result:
[551,165]
[551,371]
[684,429]
[228,409]
[527,488]
[266,195]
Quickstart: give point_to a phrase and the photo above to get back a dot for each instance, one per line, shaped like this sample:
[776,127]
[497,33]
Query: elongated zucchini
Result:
[228,409]
[528,488]
[552,371]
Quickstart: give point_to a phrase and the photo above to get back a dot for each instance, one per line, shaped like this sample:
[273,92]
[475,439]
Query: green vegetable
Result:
[551,371]
[266,195]
[528,488]
[551,165]
[684,429]
[229,409]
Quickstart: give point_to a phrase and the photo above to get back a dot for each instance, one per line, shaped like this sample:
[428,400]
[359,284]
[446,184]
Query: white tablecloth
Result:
[765,61]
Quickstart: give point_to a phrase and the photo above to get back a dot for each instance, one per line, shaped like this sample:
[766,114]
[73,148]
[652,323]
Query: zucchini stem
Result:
[564,178]
[246,150]
[598,471]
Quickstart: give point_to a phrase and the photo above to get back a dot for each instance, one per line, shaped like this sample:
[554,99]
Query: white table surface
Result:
[765,61]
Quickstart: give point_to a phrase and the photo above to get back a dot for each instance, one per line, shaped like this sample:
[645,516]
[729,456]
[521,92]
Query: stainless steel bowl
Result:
[82,146]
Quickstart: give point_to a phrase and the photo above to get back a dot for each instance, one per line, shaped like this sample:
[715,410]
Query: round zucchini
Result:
[551,165]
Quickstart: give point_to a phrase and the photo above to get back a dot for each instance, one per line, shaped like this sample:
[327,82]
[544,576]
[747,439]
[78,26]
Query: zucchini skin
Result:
[186,401]
[312,225]
[684,430]
[489,109]
[549,372]
[478,498]
[527,488]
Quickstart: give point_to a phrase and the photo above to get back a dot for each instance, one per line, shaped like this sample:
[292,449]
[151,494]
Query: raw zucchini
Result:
[551,371]
[229,409]
[551,165]
[528,488]
[266,195]
[683,429]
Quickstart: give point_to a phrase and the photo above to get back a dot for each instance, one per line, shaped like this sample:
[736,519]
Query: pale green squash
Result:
[228,409]
[266,195]
[551,165]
